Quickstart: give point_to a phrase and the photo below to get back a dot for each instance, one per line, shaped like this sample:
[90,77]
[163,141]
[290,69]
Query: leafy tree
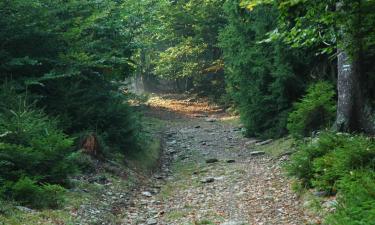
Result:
[344,28]
[183,43]
[264,78]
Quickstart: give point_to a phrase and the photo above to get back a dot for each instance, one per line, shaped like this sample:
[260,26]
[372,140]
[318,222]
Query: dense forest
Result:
[297,68]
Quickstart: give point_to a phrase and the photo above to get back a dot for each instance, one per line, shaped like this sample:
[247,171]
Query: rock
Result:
[208,180]
[213,160]
[211,119]
[256,153]
[158,177]
[98,179]
[151,221]
[251,142]
[330,204]
[197,127]
[320,193]
[231,161]
[147,194]
[219,178]
[25,209]
[264,142]
[236,129]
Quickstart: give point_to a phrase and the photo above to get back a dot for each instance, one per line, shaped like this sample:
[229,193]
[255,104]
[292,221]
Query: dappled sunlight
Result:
[184,105]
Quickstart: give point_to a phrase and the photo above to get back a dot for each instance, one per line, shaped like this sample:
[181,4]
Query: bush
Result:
[93,106]
[356,152]
[342,164]
[33,153]
[34,147]
[27,192]
[325,160]
[301,163]
[314,112]
[356,200]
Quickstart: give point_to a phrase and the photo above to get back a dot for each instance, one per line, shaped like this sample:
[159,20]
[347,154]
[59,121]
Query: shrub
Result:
[27,192]
[34,147]
[351,153]
[315,111]
[324,160]
[33,153]
[356,201]
[301,163]
[93,105]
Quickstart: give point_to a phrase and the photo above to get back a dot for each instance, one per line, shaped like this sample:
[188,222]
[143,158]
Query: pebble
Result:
[255,153]
[147,194]
[208,180]
[152,222]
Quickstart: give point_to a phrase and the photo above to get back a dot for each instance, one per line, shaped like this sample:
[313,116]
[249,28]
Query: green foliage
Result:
[353,153]
[325,160]
[29,193]
[67,55]
[356,200]
[315,111]
[263,78]
[33,153]
[180,42]
[93,104]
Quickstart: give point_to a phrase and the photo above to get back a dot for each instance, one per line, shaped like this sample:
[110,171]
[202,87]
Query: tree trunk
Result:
[354,111]
[345,90]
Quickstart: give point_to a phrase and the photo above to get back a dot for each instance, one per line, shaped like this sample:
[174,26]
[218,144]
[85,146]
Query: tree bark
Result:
[354,114]
[345,91]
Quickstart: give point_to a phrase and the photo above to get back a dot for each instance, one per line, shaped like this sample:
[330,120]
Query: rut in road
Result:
[240,188]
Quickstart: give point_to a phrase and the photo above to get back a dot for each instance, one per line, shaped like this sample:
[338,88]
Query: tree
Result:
[179,41]
[330,25]
[263,77]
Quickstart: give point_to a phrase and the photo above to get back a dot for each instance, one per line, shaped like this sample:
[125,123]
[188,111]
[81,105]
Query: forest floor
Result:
[211,174]
[208,174]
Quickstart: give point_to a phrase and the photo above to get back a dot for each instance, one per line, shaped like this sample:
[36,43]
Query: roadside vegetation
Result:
[299,70]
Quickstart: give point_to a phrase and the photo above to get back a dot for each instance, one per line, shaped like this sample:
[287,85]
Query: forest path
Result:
[237,187]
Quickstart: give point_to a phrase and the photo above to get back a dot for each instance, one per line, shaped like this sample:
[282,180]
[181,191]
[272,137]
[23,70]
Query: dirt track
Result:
[240,188]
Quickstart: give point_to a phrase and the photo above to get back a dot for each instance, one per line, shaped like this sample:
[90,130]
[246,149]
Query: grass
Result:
[147,160]
[182,170]
[10,215]
[175,215]
[278,147]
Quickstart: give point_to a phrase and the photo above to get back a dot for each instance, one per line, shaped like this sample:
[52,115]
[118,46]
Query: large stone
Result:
[211,119]
[25,209]
[213,160]
[256,153]
[251,142]
[152,221]
[264,142]
[147,194]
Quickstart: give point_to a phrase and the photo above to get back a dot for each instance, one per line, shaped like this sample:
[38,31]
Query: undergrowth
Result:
[340,164]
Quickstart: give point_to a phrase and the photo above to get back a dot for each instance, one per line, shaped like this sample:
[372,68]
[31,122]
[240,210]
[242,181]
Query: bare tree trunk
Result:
[345,88]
